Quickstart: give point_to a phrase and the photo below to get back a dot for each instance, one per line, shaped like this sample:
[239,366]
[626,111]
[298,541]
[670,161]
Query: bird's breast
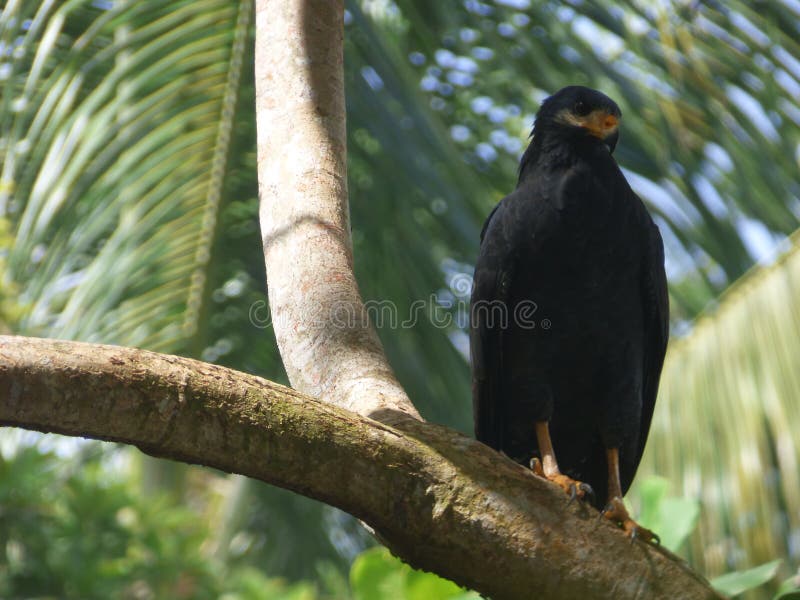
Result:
[585,264]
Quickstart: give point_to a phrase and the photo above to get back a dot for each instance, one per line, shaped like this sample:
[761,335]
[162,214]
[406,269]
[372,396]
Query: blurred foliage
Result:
[789,589]
[725,428]
[377,574]
[10,310]
[128,215]
[672,518]
[708,91]
[71,528]
[736,583]
[281,533]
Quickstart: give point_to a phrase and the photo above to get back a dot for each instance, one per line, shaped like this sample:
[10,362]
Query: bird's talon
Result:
[572,488]
[588,492]
[616,512]
[573,493]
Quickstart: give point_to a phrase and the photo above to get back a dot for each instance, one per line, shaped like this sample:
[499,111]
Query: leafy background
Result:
[128,215]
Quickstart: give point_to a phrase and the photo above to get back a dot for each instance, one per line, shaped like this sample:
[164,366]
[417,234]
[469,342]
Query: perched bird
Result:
[569,310]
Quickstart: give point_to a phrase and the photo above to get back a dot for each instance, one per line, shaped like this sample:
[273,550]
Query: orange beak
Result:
[600,123]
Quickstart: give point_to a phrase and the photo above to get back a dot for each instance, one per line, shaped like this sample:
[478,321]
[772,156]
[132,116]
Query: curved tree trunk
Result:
[326,341]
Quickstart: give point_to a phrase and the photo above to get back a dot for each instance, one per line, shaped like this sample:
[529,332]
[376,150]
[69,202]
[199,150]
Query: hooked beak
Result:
[600,124]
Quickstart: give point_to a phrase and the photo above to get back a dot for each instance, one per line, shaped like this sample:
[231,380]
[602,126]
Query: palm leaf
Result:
[725,426]
[117,128]
[708,93]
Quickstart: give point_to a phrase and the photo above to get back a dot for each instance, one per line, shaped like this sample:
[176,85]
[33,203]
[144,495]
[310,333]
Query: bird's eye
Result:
[581,108]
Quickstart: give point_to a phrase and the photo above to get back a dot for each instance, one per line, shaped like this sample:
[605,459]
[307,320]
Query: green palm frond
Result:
[116,128]
[725,426]
[711,122]
[415,205]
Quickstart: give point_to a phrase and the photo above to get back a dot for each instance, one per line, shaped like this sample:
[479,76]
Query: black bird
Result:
[569,315]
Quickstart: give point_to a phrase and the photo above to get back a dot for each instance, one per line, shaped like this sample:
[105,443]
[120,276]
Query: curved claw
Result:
[573,493]
[615,511]
[573,488]
[656,539]
[637,532]
[650,537]
[588,493]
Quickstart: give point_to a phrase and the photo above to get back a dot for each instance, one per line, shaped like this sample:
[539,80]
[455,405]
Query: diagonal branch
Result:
[441,501]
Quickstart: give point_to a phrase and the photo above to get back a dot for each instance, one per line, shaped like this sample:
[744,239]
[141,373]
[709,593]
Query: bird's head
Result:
[580,108]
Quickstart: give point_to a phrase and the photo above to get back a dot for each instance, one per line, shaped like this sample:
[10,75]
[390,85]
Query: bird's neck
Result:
[553,147]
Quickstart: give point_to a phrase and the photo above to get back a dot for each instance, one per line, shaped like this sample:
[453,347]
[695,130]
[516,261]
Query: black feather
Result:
[576,246]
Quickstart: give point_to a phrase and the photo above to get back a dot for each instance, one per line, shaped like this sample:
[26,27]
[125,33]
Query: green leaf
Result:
[673,519]
[788,590]
[679,518]
[732,584]
[651,493]
[425,586]
[377,574]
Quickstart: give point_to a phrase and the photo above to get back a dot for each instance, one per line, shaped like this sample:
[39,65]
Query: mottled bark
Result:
[441,501]
[326,341]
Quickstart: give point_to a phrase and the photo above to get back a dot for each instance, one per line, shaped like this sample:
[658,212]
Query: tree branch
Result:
[441,501]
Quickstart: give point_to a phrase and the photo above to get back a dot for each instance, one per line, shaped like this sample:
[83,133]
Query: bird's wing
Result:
[489,220]
[521,219]
[656,316]
[493,273]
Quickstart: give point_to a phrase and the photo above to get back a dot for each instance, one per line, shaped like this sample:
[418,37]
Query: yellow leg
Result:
[615,509]
[548,466]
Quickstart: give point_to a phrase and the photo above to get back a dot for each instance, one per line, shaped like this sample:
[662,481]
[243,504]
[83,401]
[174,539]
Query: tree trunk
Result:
[326,342]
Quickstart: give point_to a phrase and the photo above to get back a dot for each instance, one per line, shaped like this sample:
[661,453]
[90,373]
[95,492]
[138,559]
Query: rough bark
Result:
[442,502]
[326,341]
